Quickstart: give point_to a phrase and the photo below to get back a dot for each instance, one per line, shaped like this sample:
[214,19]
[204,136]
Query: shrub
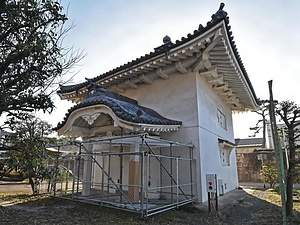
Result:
[270,174]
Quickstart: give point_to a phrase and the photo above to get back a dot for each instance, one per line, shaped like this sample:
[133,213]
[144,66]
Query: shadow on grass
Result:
[47,210]
[260,207]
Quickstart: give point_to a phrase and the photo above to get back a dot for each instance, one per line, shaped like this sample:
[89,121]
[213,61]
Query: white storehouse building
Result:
[140,120]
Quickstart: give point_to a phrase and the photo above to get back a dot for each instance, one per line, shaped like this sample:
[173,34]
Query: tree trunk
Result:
[32,184]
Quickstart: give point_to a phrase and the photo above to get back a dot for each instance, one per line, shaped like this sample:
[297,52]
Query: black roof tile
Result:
[219,16]
[248,141]
[125,108]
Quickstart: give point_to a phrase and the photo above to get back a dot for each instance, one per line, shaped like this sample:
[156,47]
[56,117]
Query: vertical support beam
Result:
[67,175]
[147,182]
[121,169]
[74,176]
[121,173]
[171,171]
[160,176]
[134,172]
[279,156]
[87,171]
[102,178]
[109,163]
[56,171]
[177,182]
[191,170]
[142,177]
[78,168]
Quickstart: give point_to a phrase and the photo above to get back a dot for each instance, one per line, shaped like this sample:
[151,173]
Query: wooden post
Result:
[133,181]
[217,204]
[211,186]
[134,174]
[209,202]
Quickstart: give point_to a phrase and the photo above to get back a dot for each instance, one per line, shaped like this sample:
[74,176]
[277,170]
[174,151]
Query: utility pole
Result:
[279,156]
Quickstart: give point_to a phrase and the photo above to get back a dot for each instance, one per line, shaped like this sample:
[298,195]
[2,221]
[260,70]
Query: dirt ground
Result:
[24,209]
[14,187]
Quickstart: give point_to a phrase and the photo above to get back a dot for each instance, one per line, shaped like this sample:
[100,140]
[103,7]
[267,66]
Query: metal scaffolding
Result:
[136,173]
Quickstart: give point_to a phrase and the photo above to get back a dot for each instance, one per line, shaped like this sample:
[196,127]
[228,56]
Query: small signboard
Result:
[211,183]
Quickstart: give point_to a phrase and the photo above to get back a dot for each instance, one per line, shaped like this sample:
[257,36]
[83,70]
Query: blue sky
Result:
[114,32]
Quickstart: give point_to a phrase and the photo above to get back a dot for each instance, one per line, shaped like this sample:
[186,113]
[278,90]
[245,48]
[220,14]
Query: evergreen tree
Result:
[32,59]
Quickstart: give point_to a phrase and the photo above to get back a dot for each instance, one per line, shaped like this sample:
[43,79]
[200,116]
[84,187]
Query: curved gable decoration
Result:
[104,111]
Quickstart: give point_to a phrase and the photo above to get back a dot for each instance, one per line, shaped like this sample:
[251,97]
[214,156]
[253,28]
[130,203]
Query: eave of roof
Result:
[248,142]
[125,109]
[217,18]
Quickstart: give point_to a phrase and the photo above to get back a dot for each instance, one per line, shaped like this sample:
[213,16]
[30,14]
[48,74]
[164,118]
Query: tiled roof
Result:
[219,16]
[123,107]
[245,142]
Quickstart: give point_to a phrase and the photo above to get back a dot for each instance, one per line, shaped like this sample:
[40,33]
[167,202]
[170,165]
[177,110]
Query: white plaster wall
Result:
[188,98]
[209,131]
[175,98]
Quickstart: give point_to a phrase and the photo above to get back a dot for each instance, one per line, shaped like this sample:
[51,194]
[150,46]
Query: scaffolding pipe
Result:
[177,181]
[160,174]
[147,182]
[142,177]
[74,177]
[121,169]
[169,142]
[112,139]
[191,169]
[168,207]
[164,168]
[171,165]
[109,162]
[67,177]
[56,172]
[112,153]
[102,178]
[79,167]
[166,187]
[111,180]
[117,197]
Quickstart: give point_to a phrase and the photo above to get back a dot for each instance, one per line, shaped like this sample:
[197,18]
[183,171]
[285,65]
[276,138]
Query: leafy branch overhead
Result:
[32,59]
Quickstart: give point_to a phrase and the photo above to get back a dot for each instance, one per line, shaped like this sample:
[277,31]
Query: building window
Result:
[225,148]
[221,119]
[224,155]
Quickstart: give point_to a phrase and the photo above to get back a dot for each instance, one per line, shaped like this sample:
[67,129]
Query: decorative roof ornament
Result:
[166,46]
[90,119]
[139,113]
[220,14]
[166,40]
[94,88]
